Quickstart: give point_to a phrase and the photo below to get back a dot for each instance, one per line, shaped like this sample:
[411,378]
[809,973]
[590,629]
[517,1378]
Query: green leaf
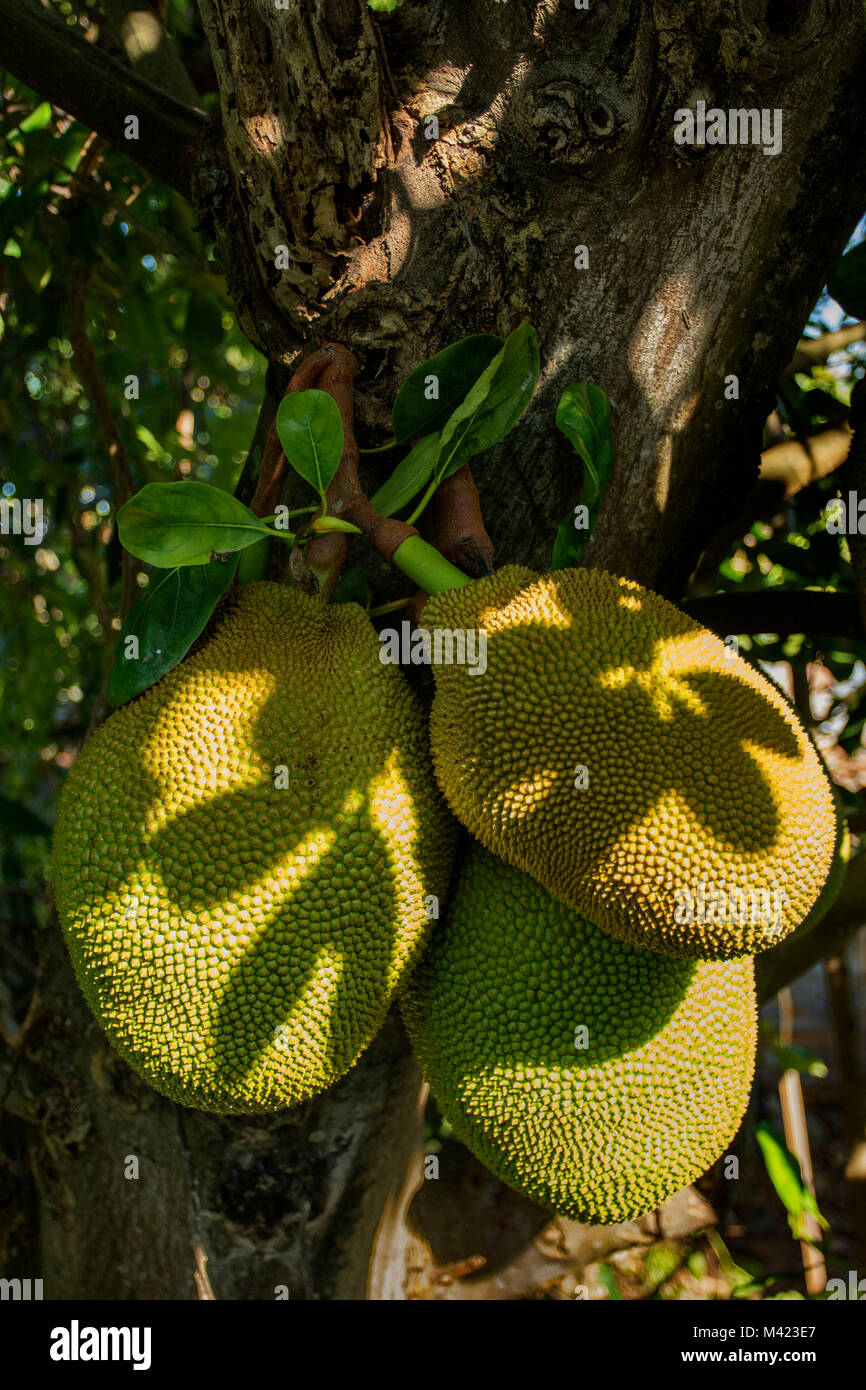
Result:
[583,416]
[787,1178]
[453,371]
[170,615]
[353,587]
[738,1278]
[384,6]
[168,524]
[493,405]
[411,474]
[805,406]
[155,451]
[38,118]
[311,433]
[847,284]
[15,819]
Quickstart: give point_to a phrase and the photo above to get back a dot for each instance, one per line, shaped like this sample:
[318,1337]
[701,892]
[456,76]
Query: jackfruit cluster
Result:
[246,857]
[624,756]
[595,1077]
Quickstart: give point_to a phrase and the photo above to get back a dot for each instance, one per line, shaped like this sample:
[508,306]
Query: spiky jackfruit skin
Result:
[602,1125]
[240,941]
[699,777]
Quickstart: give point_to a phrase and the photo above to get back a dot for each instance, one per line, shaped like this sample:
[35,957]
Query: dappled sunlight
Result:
[614,744]
[257,866]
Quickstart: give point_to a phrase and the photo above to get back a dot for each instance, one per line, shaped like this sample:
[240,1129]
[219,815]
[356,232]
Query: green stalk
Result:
[429,570]
[381,448]
[389,607]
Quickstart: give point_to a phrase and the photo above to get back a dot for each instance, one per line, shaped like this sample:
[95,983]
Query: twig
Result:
[92,152]
[811,352]
[797,1139]
[200,1277]
[87,367]
[786,468]
[272,469]
[796,463]
[853,1107]
[347,501]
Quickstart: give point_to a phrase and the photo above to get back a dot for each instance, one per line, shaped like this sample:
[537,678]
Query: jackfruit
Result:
[595,1077]
[245,857]
[627,758]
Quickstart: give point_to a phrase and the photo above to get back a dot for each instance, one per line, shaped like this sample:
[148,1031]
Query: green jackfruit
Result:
[244,856]
[594,1077]
[623,755]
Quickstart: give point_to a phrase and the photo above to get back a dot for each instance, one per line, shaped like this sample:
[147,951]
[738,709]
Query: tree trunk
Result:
[554,130]
[434,173]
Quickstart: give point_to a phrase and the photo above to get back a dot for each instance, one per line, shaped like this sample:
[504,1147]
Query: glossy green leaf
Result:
[448,375]
[847,284]
[583,416]
[411,474]
[786,1176]
[493,405]
[168,524]
[170,615]
[311,433]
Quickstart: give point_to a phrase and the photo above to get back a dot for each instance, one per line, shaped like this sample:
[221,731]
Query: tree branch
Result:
[797,464]
[786,468]
[92,87]
[777,610]
[811,352]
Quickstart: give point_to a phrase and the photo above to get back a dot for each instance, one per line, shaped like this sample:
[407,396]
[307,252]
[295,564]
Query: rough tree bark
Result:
[432,174]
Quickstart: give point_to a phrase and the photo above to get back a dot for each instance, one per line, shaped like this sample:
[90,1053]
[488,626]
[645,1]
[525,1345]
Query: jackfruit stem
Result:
[429,570]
